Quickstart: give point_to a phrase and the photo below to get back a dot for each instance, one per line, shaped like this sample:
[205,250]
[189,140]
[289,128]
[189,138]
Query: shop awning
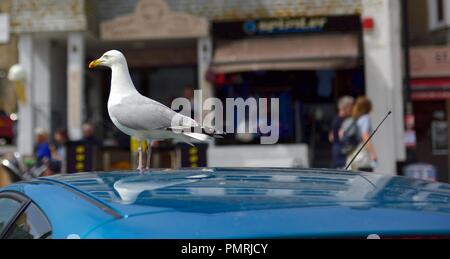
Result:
[310,52]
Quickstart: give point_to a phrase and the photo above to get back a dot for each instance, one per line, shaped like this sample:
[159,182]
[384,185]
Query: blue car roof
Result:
[206,194]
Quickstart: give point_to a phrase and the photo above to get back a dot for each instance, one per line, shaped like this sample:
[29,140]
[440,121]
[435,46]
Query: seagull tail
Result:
[197,136]
[189,143]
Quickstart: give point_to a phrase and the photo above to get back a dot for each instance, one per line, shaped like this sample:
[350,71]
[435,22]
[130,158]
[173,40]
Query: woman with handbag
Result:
[367,158]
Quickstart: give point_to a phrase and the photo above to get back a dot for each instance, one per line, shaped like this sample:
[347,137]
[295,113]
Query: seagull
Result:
[139,116]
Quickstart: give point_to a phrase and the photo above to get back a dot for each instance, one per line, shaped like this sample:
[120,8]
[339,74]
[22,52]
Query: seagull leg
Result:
[140,162]
[149,153]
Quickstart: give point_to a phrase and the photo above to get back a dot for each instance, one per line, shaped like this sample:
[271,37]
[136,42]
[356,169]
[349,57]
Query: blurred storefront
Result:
[430,94]
[306,53]
[51,47]
[296,50]
[306,62]
[8,54]
[57,39]
[161,50]
[430,83]
[8,57]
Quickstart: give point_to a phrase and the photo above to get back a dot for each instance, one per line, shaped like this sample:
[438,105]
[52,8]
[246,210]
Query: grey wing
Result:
[141,113]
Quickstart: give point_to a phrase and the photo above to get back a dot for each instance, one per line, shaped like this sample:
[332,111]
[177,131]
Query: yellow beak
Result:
[95,63]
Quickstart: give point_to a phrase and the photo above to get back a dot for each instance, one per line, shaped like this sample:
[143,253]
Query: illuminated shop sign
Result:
[293,25]
[285,25]
[193,156]
[80,157]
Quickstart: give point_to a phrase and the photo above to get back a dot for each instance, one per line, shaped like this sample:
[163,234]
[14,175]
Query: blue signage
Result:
[279,26]
[289,25]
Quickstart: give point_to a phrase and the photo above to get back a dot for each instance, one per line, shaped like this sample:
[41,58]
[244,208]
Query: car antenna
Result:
[365,143]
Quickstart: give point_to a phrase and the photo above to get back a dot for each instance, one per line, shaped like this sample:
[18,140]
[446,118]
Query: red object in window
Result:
[6,127]
[368,23]
[220,79]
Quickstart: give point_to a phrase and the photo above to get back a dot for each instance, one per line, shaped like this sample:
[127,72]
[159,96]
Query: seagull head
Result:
[109,59]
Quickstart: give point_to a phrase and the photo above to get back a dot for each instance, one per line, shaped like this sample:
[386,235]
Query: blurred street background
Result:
[307,53]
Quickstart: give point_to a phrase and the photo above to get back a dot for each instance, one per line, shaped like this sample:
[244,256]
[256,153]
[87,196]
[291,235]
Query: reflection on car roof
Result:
[212,190]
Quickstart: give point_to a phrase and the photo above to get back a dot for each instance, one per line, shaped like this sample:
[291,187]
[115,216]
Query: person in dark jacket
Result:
[345,105]
[89,135]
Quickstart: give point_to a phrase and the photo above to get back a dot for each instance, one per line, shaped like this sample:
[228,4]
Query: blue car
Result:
[225,203]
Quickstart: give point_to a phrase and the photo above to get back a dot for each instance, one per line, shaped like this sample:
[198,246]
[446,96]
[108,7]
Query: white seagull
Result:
[139,116]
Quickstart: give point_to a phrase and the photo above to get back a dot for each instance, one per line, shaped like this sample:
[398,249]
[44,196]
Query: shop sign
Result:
[193,156]
[237,29]
[4,28]
[430,89]
[80,157]
[427,62]
[303,24]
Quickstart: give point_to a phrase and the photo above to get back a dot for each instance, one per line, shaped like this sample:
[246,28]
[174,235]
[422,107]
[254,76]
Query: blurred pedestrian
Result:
[367,158]
[338,157]
[89,135]
[188,93]
[43,153]
[58,148]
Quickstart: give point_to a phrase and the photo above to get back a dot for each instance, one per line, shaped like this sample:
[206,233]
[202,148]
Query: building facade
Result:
[306,53]
[429,37]
[8,54]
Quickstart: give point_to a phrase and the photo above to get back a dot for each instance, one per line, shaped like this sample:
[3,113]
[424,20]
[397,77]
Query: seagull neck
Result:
[120,80]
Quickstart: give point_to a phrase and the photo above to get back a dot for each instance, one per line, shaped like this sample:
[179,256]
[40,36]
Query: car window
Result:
[32,224]
[8,209]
